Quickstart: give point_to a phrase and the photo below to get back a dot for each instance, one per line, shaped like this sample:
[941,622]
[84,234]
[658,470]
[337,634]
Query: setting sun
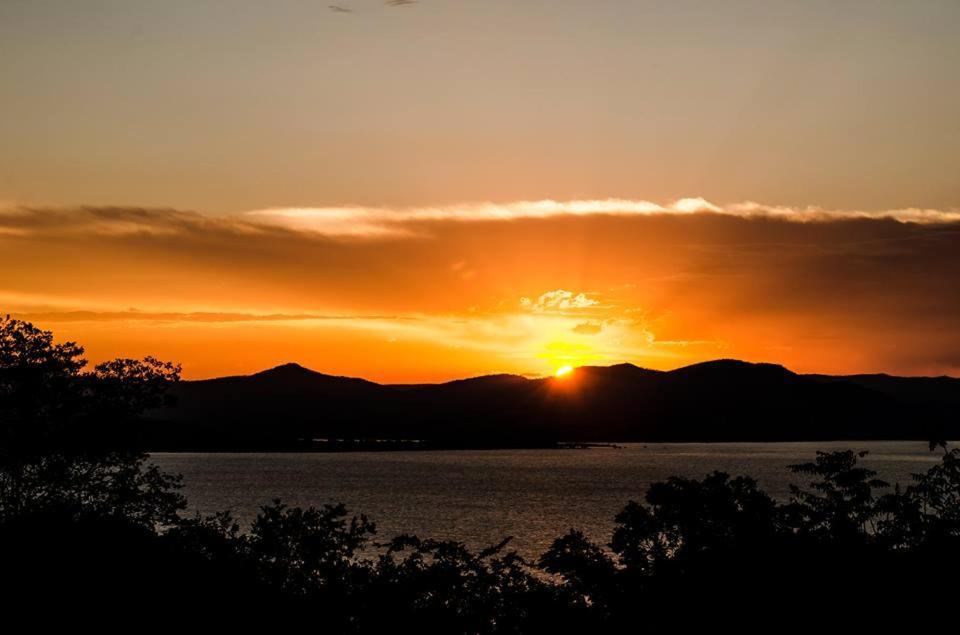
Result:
[564,370]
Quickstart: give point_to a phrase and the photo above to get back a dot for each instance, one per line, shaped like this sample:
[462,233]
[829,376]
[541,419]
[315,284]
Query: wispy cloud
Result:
[558,300]
[205,317]
[357,222]
[394,222]
[26,221]
[588,328]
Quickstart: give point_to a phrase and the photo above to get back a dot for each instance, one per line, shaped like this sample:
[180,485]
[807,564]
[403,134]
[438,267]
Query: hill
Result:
[291,407]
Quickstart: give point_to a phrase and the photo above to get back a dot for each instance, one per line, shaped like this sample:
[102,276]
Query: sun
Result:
[564,370]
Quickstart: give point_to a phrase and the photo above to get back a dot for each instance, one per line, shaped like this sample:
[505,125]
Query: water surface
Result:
[479,497]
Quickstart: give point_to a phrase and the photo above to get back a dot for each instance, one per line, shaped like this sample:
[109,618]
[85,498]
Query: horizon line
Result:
[534,377]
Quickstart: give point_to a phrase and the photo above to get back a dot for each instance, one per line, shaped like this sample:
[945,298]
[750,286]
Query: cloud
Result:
[385,223]
[558,300]
[841,293]
[26,221]
[378,222]
[336,8]
[588,328]
[400,3]
[204,317]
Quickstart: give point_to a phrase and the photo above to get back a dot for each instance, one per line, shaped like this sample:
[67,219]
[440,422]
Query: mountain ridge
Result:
[292,367]
[717,400]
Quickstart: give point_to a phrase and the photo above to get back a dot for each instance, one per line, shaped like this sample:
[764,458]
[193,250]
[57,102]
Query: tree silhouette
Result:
[841,505]
[685,517]
[68,435]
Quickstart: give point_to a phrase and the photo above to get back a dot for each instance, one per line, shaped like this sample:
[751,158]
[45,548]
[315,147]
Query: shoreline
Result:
[423,446]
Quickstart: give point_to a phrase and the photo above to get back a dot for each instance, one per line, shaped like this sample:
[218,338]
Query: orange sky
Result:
[436,189]
[448,292]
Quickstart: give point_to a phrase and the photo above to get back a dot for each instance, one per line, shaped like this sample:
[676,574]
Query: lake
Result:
[481,496]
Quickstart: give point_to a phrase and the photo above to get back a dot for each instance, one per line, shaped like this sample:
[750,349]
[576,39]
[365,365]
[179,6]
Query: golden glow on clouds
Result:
[393,223]
[558,300]
[467,295]
[375,222]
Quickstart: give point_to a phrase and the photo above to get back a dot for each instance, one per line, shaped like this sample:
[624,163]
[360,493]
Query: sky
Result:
[419,191]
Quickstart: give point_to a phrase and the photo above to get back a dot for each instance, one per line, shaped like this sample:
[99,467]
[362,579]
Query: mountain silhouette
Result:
[292,407]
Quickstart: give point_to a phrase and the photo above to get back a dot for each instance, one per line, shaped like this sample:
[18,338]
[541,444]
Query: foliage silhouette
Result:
[68,436]
[840,505]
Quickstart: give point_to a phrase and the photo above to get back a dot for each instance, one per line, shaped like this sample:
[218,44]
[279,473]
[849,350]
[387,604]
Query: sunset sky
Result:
[419,191]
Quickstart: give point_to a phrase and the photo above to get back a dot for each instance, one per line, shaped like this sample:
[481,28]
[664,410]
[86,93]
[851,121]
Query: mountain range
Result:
[292,407]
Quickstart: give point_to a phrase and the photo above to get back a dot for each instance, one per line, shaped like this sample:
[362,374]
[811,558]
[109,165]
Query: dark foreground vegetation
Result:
[90,532]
